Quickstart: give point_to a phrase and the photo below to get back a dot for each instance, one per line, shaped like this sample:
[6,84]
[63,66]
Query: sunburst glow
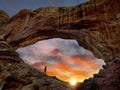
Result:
[73,82]
[65,59]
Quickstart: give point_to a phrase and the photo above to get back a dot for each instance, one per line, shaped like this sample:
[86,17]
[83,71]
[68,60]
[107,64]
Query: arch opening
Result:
[65,59]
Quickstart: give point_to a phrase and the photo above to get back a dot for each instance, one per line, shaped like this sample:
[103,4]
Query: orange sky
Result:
[82,70]
[65,59]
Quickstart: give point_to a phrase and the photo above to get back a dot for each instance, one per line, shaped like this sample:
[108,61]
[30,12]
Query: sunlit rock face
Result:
[95,25]
[4,17]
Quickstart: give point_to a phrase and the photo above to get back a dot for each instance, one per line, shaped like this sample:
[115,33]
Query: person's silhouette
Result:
[45,69]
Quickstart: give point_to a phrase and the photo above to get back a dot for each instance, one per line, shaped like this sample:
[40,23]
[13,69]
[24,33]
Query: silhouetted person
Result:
[45,69]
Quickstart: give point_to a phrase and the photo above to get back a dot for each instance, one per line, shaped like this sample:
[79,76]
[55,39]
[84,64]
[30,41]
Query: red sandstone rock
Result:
[95,25]
[108,78]
[16,75]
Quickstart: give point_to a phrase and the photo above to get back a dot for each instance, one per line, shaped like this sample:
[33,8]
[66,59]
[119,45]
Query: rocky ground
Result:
[16,75]
[108,78]
[94,24]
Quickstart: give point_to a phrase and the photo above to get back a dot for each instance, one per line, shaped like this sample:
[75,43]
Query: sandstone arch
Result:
[94,24]
[98,29]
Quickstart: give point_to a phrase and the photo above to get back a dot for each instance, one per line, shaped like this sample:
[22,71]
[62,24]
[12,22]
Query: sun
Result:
[73,82]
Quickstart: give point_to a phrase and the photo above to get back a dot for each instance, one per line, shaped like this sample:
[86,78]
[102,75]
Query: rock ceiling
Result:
[94,24]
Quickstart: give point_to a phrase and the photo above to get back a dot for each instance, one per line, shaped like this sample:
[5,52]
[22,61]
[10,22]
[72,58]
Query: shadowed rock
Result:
[94,24]
[95,28]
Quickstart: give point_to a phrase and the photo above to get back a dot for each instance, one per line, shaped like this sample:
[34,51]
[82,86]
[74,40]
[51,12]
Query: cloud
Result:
[56,51]
[64,59]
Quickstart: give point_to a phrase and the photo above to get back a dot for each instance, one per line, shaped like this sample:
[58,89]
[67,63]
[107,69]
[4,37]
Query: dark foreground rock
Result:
[16,75]
[107,79]
[94,24]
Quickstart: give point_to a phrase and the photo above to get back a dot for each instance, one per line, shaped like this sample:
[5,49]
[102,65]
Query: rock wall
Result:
[94,24]
[108,78]
[16,75]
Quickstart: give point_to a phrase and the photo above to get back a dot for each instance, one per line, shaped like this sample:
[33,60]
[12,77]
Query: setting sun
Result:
[73,82]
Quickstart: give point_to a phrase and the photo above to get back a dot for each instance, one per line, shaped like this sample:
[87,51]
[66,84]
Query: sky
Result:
[65,58]
[14,6]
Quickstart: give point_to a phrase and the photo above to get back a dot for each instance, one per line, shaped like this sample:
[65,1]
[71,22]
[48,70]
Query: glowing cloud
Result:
[65,59]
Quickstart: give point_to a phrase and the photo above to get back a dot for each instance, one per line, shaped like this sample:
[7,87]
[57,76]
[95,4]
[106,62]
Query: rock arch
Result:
[97,30]
[94,24]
